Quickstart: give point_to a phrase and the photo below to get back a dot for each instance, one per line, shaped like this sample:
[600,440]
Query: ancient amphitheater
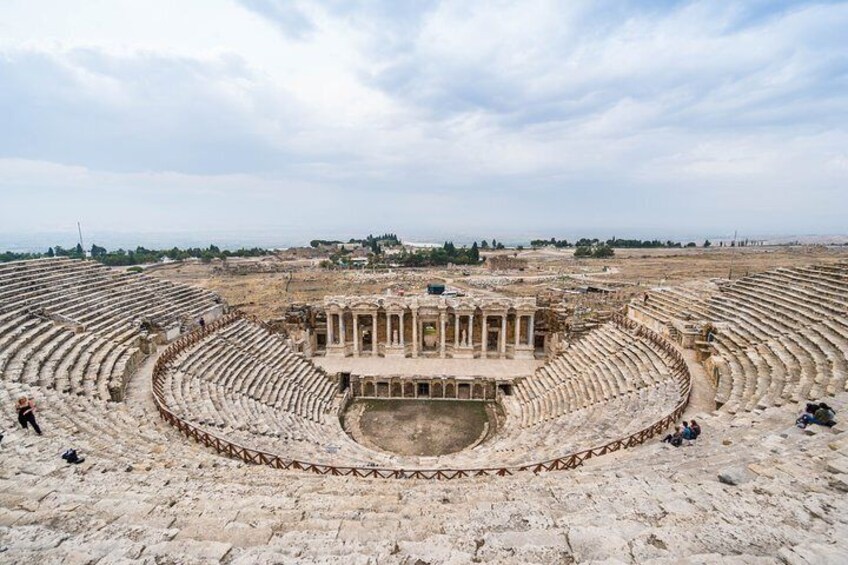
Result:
[227,442]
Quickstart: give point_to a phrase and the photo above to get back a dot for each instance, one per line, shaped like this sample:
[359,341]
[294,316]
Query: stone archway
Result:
[437,390]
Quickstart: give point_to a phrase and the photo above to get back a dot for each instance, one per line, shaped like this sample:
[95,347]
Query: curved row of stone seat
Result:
[783,336]
[242,383]
[106,431]
[75,325]
[686,302]
[780,336]
[247,384]
[605,364]
[97,298]
[150,509]
[247,359]
[595,424]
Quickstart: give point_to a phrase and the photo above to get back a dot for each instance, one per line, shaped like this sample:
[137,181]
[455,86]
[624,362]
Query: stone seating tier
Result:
[144,495]
[244,384]
[75,325]
[781,336]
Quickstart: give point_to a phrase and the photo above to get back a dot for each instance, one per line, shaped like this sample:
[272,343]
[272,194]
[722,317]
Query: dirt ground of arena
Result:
[418,427]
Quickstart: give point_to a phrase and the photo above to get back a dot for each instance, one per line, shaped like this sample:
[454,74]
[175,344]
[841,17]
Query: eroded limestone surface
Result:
[162,500]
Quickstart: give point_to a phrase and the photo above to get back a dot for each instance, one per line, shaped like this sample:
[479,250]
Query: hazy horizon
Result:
[282,238]
[435,119]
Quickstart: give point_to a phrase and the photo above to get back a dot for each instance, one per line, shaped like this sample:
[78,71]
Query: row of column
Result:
[463,337]
[502,337]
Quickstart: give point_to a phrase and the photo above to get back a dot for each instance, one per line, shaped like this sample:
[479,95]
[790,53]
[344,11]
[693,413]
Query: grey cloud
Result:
[714,86]
[284,14]
[663,116]
[144,112]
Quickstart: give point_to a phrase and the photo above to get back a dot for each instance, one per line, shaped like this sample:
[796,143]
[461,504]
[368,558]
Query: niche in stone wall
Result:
[437,389]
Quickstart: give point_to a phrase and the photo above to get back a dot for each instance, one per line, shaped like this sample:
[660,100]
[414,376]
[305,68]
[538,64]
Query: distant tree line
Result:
[438,256]
[447,254]
[372,242]
[324,242]
[615,243]
[138,256]
[141,255]
[7,256]
[495,244]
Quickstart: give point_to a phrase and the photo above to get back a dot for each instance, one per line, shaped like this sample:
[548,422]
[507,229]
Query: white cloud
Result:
[515,114]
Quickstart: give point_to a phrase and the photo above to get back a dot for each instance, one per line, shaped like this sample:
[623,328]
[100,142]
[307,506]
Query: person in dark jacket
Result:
[696,429]
[675,439]
[820,414]
[26,414]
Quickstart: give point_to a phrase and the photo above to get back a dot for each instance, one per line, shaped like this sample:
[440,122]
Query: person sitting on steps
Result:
[675,439]
[687,434]
[696,429]
[820,414]
[26,414]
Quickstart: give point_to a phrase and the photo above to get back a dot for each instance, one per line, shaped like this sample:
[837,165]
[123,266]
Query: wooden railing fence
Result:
[569,461]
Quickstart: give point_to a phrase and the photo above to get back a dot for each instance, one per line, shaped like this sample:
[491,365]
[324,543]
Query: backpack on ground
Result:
[71,456]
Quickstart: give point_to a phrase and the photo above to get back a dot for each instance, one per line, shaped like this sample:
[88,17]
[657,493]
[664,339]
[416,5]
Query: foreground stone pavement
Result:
[170,502]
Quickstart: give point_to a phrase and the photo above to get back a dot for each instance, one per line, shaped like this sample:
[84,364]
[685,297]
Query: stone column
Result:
[330,322]
[503,336]
[517,329]
[389,329]
[415,333]
[470,335]
[531,328]
[400,321]
[355,334]
[442,326]
[374,334]
[483,341]
[455,330]
[342,336]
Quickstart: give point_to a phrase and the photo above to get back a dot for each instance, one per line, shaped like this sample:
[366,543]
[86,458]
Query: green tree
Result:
[602,251]
[583,251]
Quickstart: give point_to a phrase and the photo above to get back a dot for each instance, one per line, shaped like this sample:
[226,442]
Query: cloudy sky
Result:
[419,117]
